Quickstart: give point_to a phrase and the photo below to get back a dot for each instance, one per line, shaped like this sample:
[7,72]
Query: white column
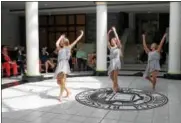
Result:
[175,38]
[101,59]
[32,39]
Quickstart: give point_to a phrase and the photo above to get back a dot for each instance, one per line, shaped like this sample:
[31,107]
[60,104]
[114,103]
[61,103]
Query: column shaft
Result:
[174,62]
[32,39]
[101,59]
[175,39]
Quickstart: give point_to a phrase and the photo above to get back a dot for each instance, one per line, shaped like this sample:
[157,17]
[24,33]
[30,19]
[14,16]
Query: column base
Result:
[100,73]
[172,76]
[26,78]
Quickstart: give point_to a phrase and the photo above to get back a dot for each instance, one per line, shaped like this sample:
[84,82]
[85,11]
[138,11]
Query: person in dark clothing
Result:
[72,60]
[44,57]
[94,59]
[74,52]
[53,54]
[53,57]
[19,57]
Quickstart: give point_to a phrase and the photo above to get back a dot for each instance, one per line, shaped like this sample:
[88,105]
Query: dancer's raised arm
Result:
[161,42]
[78,39]
[144,44]
[108,43]
[58,41]
[119,44]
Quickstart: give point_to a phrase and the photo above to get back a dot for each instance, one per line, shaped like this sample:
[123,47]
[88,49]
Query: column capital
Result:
[100,3]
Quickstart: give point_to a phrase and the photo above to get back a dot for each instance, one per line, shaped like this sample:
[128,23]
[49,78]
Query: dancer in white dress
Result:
[153,65]
[63,68]
[115,48]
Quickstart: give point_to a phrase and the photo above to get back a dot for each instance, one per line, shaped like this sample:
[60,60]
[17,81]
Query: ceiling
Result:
[87,7]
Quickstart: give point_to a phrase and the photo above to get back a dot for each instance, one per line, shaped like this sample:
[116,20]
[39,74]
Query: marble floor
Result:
[37,102]
[84,73]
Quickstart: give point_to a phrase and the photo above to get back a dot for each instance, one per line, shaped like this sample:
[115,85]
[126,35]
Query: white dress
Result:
[115,62]
[153,63]
[63,61]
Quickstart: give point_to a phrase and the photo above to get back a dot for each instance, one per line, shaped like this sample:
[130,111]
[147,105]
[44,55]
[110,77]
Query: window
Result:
[52,40]
[60,20]
[51,27]
[51,20]
[43,37]
[71,19]
[42,20]
[80,19]
[71,36]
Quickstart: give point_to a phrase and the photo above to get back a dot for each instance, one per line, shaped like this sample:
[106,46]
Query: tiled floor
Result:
[122,73]
[18,78]
[46,75]
[37,103]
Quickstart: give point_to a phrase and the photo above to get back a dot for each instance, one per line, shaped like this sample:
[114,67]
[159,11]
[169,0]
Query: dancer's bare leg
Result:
[150,79]
[58,81]
[62,89]
[68,92]
[112,78]
[61,84]
[112,75]
[66,89]
[154,77]
[116,80]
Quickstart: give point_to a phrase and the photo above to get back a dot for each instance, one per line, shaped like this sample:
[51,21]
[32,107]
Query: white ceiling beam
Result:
[141,8]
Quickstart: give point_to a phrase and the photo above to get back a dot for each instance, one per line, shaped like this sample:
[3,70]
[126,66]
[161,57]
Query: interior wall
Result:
[9,28]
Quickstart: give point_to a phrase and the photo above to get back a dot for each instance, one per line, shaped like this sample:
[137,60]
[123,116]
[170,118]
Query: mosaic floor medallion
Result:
[125,99]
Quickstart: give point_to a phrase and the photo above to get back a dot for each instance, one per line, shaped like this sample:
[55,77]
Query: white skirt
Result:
[62,66]
[115,64]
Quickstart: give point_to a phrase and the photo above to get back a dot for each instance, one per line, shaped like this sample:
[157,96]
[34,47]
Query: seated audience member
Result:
[94,59]
[40,68]
[72,60]
[53,57]
[7,63]
[81,59]
[44,57]
[19,57]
